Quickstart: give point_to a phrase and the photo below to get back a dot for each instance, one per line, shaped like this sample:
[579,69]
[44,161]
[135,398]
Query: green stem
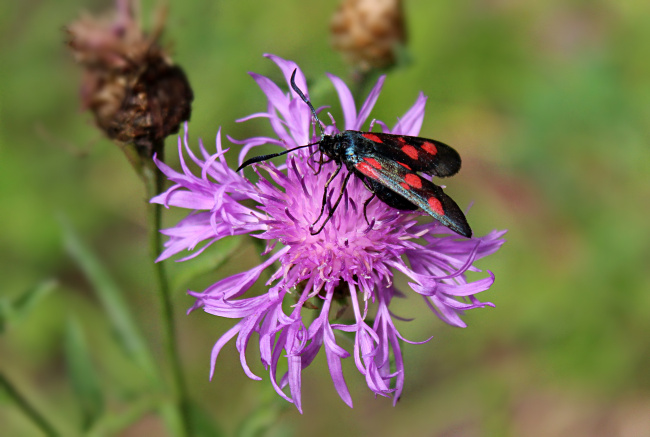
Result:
[27,408]
[154,181]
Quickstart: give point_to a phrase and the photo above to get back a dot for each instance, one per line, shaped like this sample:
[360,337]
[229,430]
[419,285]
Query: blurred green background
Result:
[548,103]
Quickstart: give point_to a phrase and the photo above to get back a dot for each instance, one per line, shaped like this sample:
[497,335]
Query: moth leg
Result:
[370,188]
[336,204]
[327,184]
[368,185]
[321,162]
[365,206]
[310,159]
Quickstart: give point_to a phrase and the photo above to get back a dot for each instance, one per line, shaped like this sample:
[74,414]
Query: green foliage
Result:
[122,322]
[13,311]
[82,374]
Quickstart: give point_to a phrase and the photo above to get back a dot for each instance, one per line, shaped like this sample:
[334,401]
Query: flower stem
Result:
[154,181]
[27,408]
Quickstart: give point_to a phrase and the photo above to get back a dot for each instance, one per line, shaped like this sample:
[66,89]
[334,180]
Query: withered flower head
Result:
[368,32]
[137,95]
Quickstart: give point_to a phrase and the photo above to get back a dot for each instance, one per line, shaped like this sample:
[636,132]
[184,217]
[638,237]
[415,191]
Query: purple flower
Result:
[313,277]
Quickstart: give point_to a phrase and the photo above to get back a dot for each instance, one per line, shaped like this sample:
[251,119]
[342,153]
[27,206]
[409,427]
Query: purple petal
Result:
[220,344]
[411,123]
[347,102]
[369,103]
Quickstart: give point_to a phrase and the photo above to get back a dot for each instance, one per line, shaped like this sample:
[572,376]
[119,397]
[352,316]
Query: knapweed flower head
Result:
[350,263]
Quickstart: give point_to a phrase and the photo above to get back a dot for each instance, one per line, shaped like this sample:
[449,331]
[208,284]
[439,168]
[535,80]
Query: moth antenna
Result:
[261,158]
[306,100]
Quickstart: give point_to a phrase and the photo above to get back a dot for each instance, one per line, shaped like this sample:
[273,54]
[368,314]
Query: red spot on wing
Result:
[366,169]
[373,162]
[372,137]
[435,205]
[405,186]
[413,180]
[430,148]
[410,151]
[404,165]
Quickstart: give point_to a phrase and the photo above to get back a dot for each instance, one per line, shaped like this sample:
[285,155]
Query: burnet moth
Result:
[388,165]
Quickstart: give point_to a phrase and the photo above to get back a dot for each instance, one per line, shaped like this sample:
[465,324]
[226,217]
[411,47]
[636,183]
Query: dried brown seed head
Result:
[137,95]
[368,32]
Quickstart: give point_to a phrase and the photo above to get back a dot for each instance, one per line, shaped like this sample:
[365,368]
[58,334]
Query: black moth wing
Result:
[388,196]
[417,190]
[419,154]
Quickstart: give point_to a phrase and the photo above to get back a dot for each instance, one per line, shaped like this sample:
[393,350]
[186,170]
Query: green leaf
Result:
[11,312]
[126,331]
[82,375]
[24,405]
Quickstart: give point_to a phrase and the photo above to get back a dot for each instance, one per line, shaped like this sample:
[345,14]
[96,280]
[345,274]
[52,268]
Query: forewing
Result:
[416,153]
[417,190]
